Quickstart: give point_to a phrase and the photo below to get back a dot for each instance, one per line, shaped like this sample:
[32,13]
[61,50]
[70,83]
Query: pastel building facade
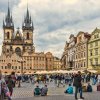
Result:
[94,50]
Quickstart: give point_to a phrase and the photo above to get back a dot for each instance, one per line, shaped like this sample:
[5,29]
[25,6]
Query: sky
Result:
[54,20]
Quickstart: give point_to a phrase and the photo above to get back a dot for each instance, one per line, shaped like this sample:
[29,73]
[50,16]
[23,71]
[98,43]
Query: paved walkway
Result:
[92,96]
[54,93]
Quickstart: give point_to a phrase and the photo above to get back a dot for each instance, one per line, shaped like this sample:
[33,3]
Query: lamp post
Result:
[21,61]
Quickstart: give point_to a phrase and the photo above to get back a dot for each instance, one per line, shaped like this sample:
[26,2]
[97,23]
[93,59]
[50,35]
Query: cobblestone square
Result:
[54,93]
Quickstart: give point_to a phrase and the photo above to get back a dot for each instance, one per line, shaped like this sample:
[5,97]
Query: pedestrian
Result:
[78,85]
[6,91]
[19,81]
[10,85]
[13,78]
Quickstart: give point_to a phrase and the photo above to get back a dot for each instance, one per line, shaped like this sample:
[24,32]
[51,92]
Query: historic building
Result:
[75,55]
[94,50]
[64,57]
[81,51]
[57,63]
[18,51]
[71,52]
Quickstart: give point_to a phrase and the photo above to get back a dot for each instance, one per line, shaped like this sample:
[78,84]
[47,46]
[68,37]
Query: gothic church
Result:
[18,51]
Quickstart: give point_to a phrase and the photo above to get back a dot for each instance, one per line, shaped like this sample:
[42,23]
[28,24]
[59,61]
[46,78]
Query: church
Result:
[18,51]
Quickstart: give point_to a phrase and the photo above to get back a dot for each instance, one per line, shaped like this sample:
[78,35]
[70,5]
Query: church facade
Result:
[18,51]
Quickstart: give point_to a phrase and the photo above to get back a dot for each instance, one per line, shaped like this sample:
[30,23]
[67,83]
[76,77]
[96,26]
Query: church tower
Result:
[8,27]
[28,28]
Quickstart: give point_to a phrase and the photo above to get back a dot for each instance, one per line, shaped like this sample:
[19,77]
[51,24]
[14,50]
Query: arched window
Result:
[8,35]
[28,36]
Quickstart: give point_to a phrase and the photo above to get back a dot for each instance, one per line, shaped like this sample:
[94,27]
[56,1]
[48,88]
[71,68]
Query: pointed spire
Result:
[8,9]
[30,19]
[8,20]
[11,19]
[27,21]
[27,14]
[32,25]
[3,23]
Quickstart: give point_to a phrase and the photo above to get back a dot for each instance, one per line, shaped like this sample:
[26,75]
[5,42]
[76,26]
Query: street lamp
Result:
[21,61]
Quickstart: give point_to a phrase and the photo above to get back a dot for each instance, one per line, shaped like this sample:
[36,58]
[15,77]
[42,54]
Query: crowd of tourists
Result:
[81,82]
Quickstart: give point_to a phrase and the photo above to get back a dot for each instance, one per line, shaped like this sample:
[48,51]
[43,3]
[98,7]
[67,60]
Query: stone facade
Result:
[64,58]
[71,52]
[57,63]
[81,51]
[75,55]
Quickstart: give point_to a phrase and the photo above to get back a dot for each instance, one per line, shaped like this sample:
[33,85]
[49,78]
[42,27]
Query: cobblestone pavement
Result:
[54,93]
[91,96]
[26,90]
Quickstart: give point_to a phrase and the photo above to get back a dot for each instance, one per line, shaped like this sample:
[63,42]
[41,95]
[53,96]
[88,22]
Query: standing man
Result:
[10,85]
[78,85]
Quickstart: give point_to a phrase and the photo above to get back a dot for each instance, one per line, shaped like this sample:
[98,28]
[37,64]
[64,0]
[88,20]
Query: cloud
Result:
[55,20]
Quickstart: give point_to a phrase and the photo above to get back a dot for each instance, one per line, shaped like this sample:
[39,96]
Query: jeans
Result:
[76,91]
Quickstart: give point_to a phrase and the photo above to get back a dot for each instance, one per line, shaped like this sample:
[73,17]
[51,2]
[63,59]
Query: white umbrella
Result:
[92,71]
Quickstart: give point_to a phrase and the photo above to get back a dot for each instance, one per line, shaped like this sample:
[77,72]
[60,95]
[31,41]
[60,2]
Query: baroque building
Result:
[75,55]
[71,52]
[81,51]
[94,50]
[18,51]
[64,57]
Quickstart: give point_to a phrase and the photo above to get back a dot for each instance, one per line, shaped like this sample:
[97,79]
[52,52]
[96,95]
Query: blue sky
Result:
[54,20]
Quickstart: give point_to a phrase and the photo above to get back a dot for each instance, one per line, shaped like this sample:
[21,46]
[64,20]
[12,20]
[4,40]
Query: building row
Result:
[18,50]
[82,51]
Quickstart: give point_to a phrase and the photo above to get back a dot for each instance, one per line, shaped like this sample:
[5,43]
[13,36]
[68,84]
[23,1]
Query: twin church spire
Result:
[8,22]
[27,24]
